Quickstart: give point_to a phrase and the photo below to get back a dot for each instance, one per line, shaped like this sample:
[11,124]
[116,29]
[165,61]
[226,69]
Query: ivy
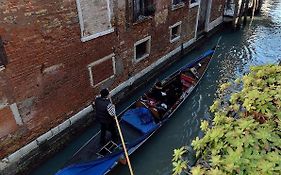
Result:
[244,136]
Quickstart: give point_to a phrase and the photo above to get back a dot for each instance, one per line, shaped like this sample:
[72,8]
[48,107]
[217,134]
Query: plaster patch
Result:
[161,17]
[52,69]
[3,103]
[25,108]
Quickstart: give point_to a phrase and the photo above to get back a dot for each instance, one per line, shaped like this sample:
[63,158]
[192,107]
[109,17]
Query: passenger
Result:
[194,72]
[172,95]
[157,92]
[106,120]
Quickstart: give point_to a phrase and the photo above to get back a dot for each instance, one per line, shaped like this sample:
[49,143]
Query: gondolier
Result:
[103,106]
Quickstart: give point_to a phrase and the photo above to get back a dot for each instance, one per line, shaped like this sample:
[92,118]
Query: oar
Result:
[112,112]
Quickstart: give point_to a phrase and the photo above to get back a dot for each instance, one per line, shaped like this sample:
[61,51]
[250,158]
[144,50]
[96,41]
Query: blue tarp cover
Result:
[93,168]
[133,117]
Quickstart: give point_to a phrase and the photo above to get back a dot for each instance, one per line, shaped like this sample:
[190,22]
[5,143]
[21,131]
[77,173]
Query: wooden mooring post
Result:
[242,8]
[246,9]
[254,8]
[259,5]
[236,10]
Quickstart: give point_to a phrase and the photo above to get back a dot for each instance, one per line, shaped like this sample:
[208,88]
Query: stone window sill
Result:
[141,58]
[177,6]
[142,19]
[194,4]
[93,36]
[2,68]
[175,39]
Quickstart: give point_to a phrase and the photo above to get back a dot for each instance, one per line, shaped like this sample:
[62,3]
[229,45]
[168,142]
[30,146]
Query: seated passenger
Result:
[172,95]
[194,70]
[157,92]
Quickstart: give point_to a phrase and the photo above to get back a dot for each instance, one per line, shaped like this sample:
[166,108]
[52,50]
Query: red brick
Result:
[7,122]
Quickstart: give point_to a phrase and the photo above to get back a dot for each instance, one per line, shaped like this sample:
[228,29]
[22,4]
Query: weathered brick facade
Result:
[48,75]
[217,9]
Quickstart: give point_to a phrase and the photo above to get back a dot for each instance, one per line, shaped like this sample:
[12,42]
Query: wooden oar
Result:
[112,112]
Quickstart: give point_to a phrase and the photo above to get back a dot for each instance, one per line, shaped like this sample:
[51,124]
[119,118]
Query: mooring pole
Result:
[259,5]
[254,8]
[236,10]
[246,12]
[242,9]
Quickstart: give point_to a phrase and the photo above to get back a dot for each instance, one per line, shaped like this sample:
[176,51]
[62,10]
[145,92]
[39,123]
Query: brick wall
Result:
[47,75]
[217,9]
[7,122]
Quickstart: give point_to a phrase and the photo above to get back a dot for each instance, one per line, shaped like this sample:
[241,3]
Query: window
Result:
[95,18]
[102,70]
[176,2]
[142,49]
[3,57]
[143,8]
[194,3]
[175,32]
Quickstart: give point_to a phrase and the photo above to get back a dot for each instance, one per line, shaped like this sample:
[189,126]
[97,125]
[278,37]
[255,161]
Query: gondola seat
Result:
[133,117]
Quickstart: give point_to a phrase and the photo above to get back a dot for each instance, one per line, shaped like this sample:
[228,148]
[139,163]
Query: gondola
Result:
[140,120]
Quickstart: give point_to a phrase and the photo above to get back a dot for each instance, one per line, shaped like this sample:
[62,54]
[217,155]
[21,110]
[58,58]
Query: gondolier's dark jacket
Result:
[101,110]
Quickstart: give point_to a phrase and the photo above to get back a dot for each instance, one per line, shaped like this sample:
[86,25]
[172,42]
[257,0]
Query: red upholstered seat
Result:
[187,81]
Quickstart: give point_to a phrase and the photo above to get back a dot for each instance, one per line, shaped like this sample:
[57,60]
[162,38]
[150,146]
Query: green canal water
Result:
[256,44]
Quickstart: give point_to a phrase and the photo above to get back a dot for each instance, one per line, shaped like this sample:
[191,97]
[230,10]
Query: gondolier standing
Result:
[104,117]
[105,112]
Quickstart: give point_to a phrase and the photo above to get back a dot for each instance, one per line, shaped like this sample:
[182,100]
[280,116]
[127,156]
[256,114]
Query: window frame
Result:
[91,65]
[146,39]
[144,10]
[191,5]
[177,6]
[85,38]
[178,24]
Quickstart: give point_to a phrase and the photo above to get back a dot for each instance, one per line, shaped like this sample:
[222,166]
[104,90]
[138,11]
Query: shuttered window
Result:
[3,57]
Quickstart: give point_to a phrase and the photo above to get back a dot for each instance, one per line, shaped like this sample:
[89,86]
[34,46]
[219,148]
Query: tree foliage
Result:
[244,136]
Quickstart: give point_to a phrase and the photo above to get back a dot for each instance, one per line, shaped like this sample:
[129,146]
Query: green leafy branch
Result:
[244,136]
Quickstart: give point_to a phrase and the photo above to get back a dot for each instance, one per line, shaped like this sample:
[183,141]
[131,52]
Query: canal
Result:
[257,43]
